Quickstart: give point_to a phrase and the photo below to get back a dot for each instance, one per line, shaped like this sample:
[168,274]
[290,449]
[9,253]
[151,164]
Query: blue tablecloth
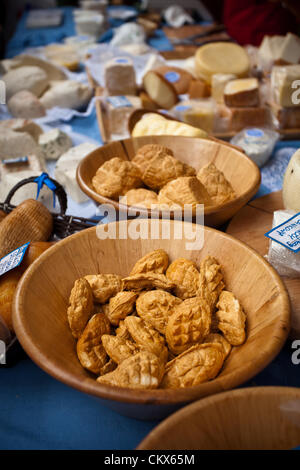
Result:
[38,412]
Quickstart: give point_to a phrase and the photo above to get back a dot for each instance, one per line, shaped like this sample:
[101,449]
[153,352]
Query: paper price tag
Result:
[13,259]
[119,102]
[287,233]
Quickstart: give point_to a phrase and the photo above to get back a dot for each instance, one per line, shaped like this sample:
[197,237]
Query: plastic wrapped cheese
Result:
[118,110]
[197,113]
[282,79]
[154,124]
[221,57]
[285,261]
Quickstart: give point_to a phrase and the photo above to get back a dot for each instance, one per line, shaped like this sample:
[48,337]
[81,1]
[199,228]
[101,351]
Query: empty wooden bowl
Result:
[242,172]
[258,418]
[41,301]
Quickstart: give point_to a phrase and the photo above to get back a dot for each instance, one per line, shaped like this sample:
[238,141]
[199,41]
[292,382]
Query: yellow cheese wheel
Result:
[221,57]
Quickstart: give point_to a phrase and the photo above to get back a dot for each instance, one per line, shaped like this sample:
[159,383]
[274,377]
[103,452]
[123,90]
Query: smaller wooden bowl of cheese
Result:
[238,169]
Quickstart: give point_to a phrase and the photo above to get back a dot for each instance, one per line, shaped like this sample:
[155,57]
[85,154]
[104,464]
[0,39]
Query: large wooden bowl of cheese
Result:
[240,170]
[41,302]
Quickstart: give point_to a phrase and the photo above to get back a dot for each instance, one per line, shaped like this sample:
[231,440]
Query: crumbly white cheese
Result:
[54,143]
[65,170]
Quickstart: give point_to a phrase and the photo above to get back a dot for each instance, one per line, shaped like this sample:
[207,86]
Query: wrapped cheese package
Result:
[285,261]
[282,85]
[197,113]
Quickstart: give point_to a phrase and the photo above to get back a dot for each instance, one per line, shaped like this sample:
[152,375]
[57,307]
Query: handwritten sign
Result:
[287,233]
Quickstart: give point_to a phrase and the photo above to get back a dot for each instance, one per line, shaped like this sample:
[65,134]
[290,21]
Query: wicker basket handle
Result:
[60,193]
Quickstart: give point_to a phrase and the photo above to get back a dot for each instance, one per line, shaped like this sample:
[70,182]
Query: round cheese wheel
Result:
[180,78]
[221,57]
[291,184]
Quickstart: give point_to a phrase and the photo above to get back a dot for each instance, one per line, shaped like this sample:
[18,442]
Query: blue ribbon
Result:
[44,179]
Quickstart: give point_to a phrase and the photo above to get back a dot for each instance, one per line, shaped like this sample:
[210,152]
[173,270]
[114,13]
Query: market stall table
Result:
[38,412]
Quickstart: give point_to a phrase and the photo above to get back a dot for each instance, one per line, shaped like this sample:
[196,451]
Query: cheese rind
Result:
[198,89]
[221,57]
[179,78]
[241,117]
[25,104]
[54,143]
[283,81]
[286,118]
[242,92]
[161,91]
[119,77]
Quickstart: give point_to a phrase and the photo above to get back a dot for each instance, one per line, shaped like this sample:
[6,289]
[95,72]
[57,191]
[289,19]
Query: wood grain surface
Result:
[242,173]
[258,418]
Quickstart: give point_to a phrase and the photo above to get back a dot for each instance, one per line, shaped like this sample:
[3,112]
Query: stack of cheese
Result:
[285,92]
[34,85]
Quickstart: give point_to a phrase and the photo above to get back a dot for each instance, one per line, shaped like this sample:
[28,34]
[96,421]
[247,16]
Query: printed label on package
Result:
[172,77]
[13,259]
[119,102]
[287,233]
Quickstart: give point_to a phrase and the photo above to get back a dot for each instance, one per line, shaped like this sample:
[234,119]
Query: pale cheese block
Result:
[221,57]
[196,113]
[29,191]
[269,49]
[119,77]
[29,78]
[53,72]
[67,94]
[25,104]
[16,144]
[54,143]
[161,91]
[282,78]
[66,167]
[242,92]
[291,184]
[118,110]
[218,83]
[23,125]
[154,124]
[289,50]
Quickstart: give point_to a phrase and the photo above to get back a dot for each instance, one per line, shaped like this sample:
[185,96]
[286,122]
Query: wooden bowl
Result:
[242,172]
[258,418]
[41,301]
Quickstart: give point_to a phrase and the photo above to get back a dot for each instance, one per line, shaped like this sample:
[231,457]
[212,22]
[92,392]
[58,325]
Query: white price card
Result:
[287,233]
[13,259]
